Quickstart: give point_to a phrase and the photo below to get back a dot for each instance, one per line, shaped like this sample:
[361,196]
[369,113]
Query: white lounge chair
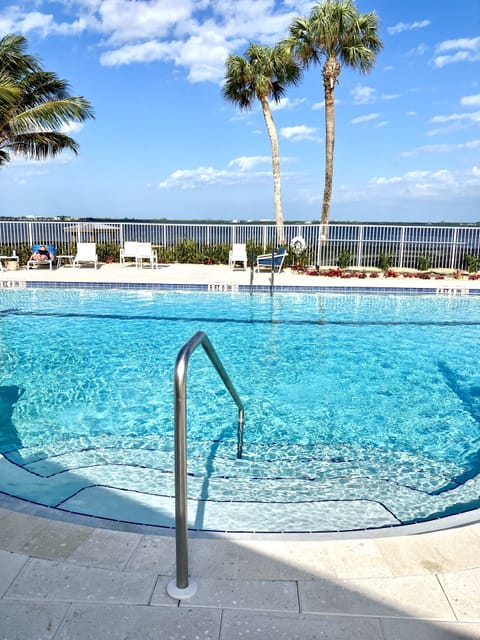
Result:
[86,253]
[238,253]
[140,251]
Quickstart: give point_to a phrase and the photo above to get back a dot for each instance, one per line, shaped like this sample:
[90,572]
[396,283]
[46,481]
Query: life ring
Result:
[298,244]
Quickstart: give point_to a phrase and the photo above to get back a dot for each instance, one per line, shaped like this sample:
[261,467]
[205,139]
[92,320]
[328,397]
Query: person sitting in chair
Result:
[42,254]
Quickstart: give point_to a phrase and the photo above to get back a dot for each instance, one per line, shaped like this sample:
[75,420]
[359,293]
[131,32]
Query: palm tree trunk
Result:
[331,71]
[277,197]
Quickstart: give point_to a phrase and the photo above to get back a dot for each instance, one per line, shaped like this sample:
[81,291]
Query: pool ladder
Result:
[180,588]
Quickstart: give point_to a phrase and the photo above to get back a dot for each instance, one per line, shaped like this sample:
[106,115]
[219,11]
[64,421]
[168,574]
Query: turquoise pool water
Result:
[360,411]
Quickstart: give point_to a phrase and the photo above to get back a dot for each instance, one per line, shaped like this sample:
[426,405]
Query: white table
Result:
[65,258]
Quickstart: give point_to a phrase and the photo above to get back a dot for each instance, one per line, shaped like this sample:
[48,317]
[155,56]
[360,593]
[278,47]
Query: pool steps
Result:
[127,480]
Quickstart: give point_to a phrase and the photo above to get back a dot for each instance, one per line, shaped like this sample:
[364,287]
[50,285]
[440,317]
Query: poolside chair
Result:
[86,253]
[31,263]
[140,251]
[265,260]
[238,253]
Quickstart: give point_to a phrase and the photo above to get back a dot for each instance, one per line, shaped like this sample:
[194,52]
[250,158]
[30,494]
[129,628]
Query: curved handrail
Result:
[181,588]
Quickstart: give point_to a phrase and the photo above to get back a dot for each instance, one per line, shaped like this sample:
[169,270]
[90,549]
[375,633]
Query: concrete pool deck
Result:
[80,580]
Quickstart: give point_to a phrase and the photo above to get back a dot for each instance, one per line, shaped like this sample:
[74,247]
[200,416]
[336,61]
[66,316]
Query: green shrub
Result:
[344,259]
[424,263]
[385,261]
[472,262]
[187,252]
[108,250]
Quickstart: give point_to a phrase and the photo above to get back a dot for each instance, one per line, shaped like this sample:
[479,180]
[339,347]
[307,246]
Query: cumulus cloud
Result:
[460,50]
[407,26]
[366,118]
[196,35]
[239,171]
[300,133]
[421,184]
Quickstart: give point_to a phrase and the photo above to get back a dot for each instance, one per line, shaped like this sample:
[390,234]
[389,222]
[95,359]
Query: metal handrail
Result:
[180,587]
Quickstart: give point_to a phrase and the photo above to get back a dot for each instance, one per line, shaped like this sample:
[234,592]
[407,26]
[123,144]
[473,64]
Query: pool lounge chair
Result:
[86,253]
[265,260]
[238,253]
[140,251]
[31,263]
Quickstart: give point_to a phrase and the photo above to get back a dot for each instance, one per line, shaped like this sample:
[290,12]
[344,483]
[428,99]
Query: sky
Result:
[166,144]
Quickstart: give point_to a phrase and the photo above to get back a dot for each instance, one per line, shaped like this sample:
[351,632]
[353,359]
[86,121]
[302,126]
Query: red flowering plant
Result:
[390,273]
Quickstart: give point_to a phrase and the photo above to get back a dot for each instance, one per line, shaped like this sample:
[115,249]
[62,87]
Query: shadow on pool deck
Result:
[61,580]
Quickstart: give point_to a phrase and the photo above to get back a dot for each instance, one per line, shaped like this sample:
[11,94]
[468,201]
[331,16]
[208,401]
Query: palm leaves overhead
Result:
[263,74]
[337,35]
[34,106]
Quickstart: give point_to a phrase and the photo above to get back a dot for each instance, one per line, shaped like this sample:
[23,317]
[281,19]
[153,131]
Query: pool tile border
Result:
[242,288]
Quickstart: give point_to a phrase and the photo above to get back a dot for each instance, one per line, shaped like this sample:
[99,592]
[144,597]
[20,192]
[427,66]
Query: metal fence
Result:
[355,245]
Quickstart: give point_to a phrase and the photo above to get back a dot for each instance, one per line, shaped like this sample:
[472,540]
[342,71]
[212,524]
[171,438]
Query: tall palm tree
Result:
[263,73]
[34,106]
[336,33]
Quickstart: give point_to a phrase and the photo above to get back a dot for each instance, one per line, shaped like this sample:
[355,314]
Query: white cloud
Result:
[363,95]
[464,50]
[442,148]
[420,184]
[196,35]
[407,26]
[419,50]
[192,178]
[245,163]
[300,133]
[72,128]
[471,101]
[240,170]
[286,104]
[474,116]
[368,95]
[366,118]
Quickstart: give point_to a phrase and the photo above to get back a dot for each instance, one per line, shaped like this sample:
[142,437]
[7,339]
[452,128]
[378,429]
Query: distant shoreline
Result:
[208,221]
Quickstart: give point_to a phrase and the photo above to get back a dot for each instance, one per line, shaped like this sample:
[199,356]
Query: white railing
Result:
[360,245]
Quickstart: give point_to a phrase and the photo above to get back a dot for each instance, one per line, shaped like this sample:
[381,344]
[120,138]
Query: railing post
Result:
[360,247]
[453,255]
[402,247]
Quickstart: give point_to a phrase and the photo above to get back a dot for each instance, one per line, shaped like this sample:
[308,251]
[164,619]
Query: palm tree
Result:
[34,106]
[337,33]
[263,73]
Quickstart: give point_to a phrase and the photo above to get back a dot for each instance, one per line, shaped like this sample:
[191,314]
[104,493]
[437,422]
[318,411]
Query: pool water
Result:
[361,411]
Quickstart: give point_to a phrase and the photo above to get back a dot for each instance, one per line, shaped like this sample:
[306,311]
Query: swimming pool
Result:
[361,411]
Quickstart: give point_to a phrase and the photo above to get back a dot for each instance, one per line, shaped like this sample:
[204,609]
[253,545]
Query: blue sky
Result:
[165,144]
